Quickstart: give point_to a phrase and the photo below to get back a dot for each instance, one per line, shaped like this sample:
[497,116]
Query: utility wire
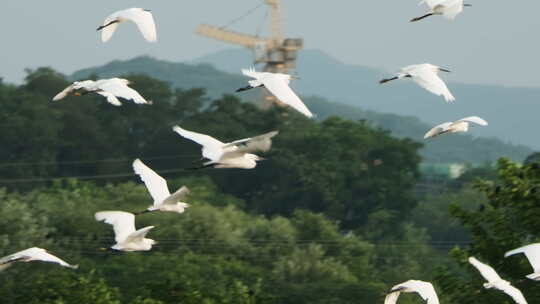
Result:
[247,13]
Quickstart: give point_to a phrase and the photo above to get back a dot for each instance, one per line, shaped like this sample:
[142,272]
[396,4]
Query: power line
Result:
[84,177]
[75,162]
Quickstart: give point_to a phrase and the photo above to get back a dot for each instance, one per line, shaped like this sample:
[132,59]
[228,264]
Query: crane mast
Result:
[278,54]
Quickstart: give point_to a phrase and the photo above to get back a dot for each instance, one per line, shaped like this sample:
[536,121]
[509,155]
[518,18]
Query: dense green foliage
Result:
[209,254]
[507,220]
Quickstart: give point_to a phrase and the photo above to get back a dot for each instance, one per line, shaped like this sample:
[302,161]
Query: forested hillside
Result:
[338,212]
[460,148]
[316,220]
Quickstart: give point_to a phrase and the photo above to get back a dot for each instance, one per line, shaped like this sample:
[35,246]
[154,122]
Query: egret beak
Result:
[444,70]
[295,77]
[244,89]
[147,10]
[77,94]
[467,4]
[262,158]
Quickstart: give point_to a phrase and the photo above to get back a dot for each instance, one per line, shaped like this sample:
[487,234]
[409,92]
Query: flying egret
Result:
[142,17]
[157,186]
[425,75]
[461,125]
[236,154]
[278,85]
[33,254]
[424,289]
[126,237]
[495,281]
[447,8]
[109,88]
[532,252]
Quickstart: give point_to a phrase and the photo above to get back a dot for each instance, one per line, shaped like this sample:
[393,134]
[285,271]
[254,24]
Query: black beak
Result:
[244,89]
[445,70]
[147,10]
[467,4]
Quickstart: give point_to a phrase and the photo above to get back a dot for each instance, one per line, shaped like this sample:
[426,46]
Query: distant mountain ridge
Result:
[511,112]
[460,148]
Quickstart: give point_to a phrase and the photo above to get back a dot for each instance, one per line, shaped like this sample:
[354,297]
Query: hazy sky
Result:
[492,42]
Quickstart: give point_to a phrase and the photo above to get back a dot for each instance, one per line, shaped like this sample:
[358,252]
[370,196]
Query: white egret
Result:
[278,85]
[109,88]
[447,8]
[33,254]
[494,281]
[424,289]
[425,75]
[157,186]
[126,237]
[236,154]
[143,18]
[461,125]
[532,252]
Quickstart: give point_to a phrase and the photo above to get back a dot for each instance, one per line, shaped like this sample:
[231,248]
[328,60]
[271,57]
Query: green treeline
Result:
[334,215]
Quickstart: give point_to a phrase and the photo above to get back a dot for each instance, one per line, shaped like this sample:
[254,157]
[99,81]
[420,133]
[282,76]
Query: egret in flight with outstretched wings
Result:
[236,154]
[33,254]
[494,281]
[109,88]
[424,289]
[447,8]
[461,125]
[126,237]
[278,85]
[157,186]
[425,75]
[143,18]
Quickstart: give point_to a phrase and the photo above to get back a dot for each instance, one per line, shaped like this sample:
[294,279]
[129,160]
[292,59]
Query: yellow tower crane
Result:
[278,54]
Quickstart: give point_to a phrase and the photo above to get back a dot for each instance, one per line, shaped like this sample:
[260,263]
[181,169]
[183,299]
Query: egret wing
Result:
[430,81]
[64,93]
[35,254]
[212,148]
[138,235]
[251,73]
[475,119]
[452,8]
[392,297]
[485,270]
[180,195]
[107,32]
[532,252]
[110,98]
[258,143]
[279,88]
[122,222]
[437,130]
[119,88]
[515,293]
[424,289]
[144,21]
[431,3]
[156,185]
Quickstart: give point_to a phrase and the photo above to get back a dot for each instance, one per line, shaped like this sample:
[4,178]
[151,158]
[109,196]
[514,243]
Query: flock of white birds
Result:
[239,153]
